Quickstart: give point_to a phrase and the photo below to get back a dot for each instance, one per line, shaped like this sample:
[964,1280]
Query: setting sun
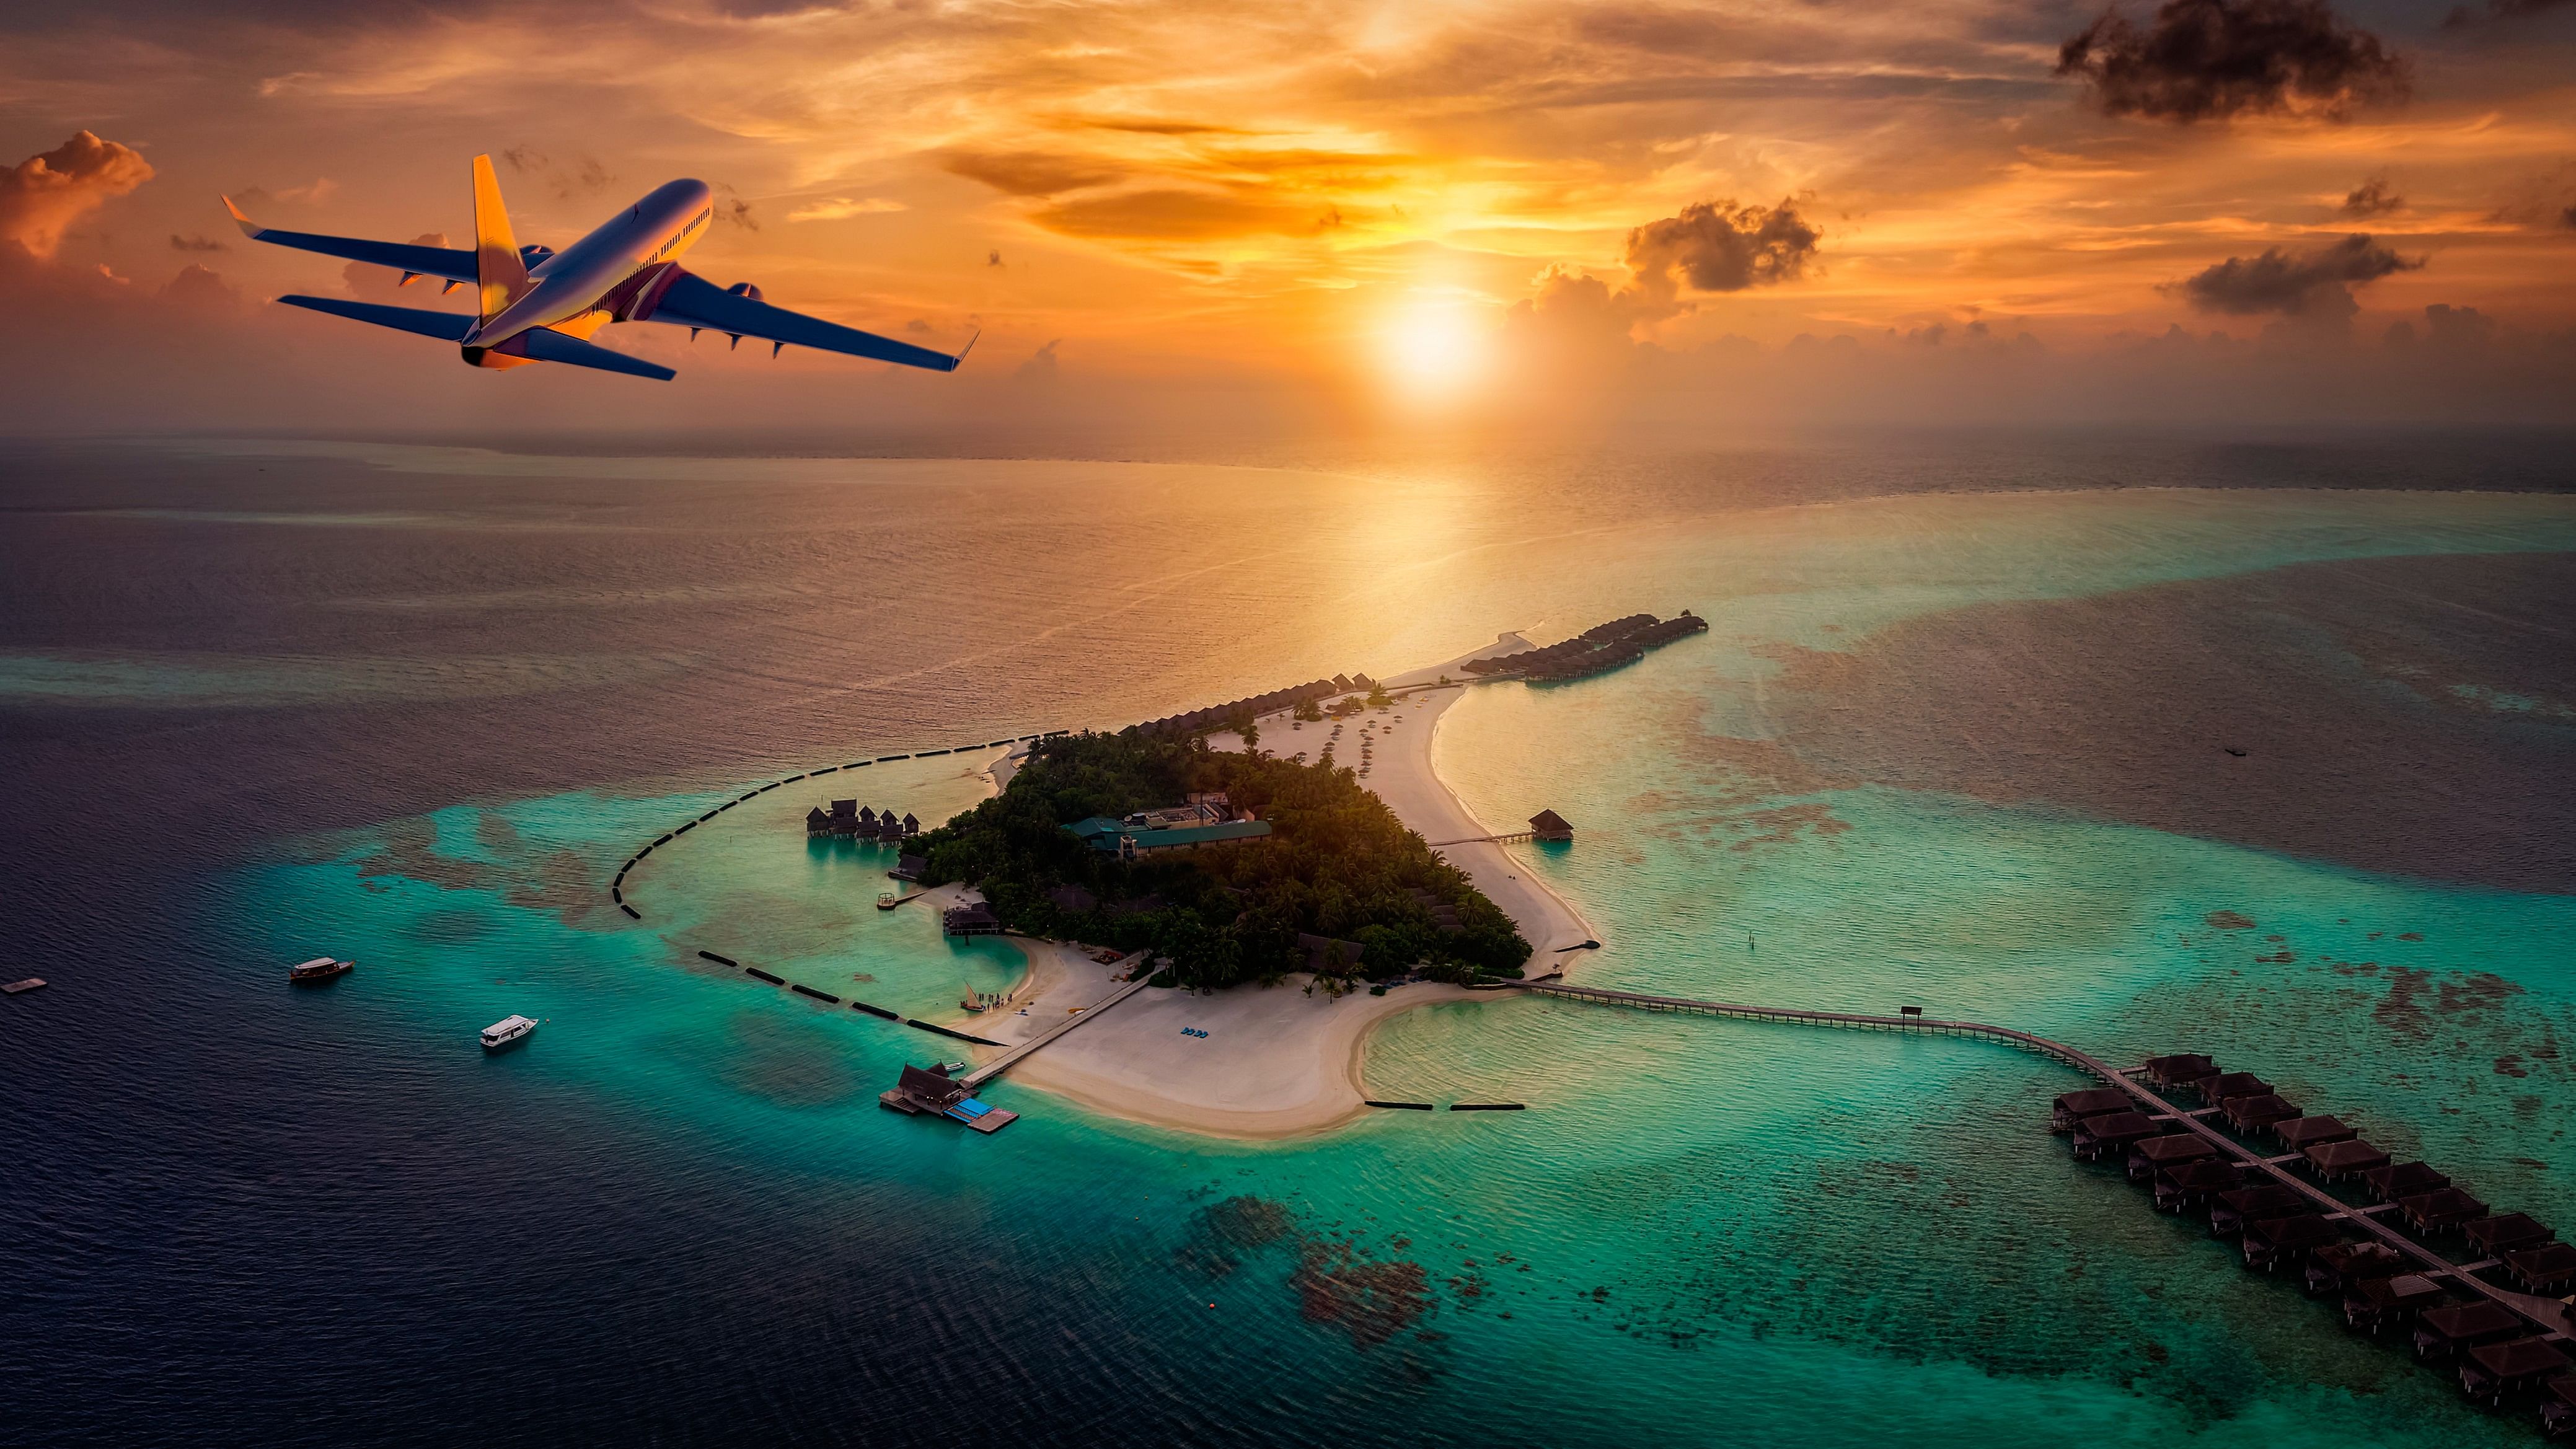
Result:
[1435,349]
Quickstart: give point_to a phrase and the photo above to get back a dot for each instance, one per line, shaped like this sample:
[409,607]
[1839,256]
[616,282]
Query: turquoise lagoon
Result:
[1704,1231]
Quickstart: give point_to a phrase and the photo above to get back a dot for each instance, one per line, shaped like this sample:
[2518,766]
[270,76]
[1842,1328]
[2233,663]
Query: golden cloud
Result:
[43,195]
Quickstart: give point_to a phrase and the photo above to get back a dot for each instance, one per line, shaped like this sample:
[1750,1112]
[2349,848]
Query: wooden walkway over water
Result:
[1017,1054]
[1504,839]
[2546,1316]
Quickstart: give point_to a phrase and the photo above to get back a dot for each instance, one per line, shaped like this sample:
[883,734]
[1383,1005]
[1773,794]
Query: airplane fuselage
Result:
[609,275]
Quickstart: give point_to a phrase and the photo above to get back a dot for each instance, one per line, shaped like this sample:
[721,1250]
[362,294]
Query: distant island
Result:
[1138,842]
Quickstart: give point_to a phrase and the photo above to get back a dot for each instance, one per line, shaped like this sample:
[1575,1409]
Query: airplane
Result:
[536,304]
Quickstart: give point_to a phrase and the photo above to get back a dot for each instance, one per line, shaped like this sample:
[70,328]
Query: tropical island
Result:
[1252,867]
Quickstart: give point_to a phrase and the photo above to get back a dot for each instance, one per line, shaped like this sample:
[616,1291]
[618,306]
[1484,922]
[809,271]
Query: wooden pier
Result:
[1024,1050]
[2545,1317]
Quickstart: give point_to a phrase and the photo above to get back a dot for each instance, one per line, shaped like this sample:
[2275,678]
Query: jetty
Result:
[1018,1054]
[1546,825]
[933,1091]
[2281,1219]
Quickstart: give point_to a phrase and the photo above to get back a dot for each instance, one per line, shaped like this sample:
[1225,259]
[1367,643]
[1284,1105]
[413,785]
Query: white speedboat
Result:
[507,1030]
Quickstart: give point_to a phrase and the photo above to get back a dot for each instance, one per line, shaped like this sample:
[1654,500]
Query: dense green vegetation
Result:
[1337,864]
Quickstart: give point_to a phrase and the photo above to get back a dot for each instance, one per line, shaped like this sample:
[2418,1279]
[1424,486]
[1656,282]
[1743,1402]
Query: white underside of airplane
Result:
[539,305]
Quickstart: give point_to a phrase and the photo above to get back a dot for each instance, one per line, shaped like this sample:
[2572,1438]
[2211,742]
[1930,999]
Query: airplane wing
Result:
[455,264]
[693,301]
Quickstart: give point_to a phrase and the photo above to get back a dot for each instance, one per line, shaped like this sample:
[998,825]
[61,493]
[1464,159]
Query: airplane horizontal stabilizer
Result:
[445,326]
[455,264]
[693,301]
[547,345]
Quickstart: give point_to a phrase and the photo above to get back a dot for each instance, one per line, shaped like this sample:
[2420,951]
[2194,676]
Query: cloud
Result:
[582,176]
[2293,284]
[732,210]
[1722,247]
[839,207]
[195,243]
[2372,198]
[1173,214]
[43,195]
[2206,60]
[1031,173]
[1042,365]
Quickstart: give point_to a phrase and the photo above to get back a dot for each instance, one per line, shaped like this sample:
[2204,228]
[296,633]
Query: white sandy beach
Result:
[1275,1062]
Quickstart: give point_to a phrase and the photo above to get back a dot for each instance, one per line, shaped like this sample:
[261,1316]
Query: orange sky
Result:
[1356,195]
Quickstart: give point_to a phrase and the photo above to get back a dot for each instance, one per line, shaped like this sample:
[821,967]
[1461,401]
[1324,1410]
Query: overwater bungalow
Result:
[2301,1133]
[911,826]
[2440,1210]
[1548,825]
[976,919]
[2376,1305]
[817,823]
[2343,1161]
[2335,1267]
[2558,1407]
[2549,1269]
[2193,1184]
[2441,1334]
[2404,1179]
[2224,1085]
[2276,1243]
[2254,1113]
[2508,1233]
[867,820]
[2494,1372]
[2180,1070]
[933,1092]
[2229,1212]
[2148,1154]
[2070,1107]
[2111,1132]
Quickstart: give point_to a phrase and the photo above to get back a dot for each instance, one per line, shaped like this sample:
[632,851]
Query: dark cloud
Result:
[44,194]
[1722,247]
[195,243]
[2372,198]
[732,210]
[2568,216]
[581,176]
[2205,60]
[2293,284]
[2463,17]
[2456,328]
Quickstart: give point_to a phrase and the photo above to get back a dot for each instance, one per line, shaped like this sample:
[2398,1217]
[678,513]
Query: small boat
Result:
[507,1030]
[320,968]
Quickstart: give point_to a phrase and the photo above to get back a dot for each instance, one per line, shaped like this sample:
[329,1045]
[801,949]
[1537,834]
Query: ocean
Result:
[1961,735]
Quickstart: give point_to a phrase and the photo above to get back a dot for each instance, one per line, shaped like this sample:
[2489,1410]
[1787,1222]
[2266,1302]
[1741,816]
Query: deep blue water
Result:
[256,703]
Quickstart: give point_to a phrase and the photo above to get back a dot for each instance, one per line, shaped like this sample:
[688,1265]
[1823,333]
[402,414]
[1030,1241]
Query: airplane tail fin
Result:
[501,273]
